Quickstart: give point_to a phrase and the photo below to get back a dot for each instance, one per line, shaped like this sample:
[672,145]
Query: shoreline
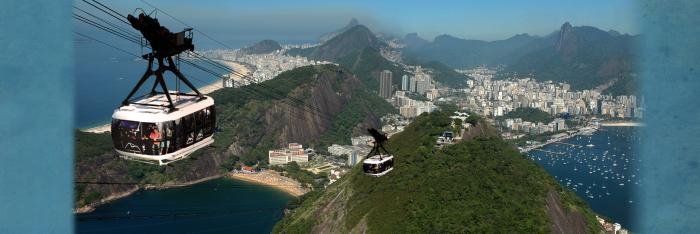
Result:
[622,124]
[272,179]
[204,90]
[91,207]
[580,131]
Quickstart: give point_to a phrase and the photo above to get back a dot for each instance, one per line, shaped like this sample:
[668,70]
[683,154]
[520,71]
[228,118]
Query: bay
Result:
[217,206]
[601,168]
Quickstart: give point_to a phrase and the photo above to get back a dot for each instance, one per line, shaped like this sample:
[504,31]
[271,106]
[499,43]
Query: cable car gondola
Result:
[379,161]
[155,128]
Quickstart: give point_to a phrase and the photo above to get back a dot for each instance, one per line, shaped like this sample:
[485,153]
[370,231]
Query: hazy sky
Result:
[307,19]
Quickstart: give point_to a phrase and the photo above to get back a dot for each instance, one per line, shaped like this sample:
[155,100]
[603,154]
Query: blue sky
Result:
[307,19]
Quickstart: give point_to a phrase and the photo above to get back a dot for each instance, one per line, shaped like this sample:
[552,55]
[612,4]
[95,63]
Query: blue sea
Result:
[601,168]
[217,206]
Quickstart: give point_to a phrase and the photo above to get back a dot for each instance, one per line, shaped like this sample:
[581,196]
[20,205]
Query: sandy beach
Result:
[204,90]
[622,124]
[272,179]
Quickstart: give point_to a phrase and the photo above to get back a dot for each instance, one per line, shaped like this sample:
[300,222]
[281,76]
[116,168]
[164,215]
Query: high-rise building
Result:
[227,81]
[405,82]
[385,84]
[412,85]
[423,82]
[353,158]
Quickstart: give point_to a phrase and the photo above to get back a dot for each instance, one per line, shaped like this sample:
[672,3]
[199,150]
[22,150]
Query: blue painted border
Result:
[670,195]
[36,117]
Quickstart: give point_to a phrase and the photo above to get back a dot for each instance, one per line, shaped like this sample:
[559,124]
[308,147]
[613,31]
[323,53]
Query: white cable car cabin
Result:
[159,129]
[146,131]
[379,161]
[378,165]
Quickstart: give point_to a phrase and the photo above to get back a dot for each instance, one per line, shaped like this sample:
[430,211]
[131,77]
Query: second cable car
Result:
[379,161]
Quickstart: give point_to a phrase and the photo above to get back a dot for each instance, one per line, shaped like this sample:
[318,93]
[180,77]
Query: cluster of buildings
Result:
[360,147]
[420,84]
[266,66]
[293,153]
[518,125]
[411,108]
[612,228]
[495,98]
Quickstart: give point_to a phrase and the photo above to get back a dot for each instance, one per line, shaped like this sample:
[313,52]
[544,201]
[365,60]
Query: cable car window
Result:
[152,138]
[188,130]
[168,137]
[200,120]
[210,120]
[179,134]
[127,136]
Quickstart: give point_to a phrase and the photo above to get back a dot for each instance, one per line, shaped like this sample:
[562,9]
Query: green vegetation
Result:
[355,112]
[477,186]
[528,114]
[367,63]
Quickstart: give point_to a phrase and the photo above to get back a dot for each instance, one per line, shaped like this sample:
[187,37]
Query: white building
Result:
[294,152]
[405,82]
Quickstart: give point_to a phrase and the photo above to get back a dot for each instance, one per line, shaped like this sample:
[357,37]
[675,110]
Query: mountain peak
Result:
[352,23]
[262,47]
[413,40]
[325,37]
[351,40]
[566,26]
[566,41]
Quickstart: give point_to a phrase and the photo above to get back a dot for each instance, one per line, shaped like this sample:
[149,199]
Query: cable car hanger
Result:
[164,44]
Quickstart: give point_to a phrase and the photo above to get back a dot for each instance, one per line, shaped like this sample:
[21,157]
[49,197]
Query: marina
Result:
[604,173]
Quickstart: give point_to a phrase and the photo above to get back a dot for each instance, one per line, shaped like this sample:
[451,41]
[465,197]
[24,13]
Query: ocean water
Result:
[217,206]
[601,168]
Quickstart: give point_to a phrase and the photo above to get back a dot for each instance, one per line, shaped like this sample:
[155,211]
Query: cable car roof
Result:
[155,109]
[377,159]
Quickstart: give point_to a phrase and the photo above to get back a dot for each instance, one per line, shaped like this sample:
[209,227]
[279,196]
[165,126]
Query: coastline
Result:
[580,131]
[204,90]
[272,179]
[622,124]
[90,207]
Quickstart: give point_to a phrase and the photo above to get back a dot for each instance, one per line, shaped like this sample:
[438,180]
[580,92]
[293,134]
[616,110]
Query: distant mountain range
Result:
[262,47]
[349,41]
[358,49]
[585,57]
